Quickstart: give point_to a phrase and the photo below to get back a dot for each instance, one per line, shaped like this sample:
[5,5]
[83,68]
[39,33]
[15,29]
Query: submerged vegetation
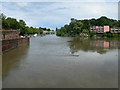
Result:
[76,27]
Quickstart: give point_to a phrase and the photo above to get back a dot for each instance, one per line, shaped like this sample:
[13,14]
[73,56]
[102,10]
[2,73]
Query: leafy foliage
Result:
[12,23]
[73,29]
[76,27]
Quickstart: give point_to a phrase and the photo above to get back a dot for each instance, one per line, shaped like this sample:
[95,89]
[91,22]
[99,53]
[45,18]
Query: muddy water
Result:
[62,62]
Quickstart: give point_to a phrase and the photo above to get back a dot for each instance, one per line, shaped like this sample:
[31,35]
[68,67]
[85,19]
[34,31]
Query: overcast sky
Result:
[56,14]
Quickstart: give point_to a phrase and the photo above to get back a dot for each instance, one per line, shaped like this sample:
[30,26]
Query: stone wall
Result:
[13,43]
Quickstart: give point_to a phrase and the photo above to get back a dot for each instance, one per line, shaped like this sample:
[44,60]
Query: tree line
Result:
[76,27]
[12,23]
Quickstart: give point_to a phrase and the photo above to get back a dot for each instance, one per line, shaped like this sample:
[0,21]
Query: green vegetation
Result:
[73,29]
[111,35]
[76,27]
[12,23]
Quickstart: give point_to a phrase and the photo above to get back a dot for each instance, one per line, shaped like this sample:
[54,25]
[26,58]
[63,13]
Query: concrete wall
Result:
[13,43]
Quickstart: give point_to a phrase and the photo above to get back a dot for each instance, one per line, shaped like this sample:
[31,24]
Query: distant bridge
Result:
[49,32]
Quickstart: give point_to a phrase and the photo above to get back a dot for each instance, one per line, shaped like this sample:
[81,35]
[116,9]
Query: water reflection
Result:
[47,63]
[100,46]
[11,60]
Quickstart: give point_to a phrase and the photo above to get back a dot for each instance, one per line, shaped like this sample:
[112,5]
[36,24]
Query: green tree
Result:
[22,27]
[73,29]
[5,24]
[12,23]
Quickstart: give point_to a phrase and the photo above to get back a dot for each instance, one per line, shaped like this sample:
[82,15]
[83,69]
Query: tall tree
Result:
[12,23]
[5,24]
[22,27]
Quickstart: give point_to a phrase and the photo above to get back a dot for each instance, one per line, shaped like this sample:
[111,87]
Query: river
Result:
[62,62]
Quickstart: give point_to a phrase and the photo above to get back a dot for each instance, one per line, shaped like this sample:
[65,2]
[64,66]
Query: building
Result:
[100,29]
[115,30]
[9,34]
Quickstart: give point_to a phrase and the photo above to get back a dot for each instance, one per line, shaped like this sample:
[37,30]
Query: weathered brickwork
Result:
[9,34]
[13,43]
[11,39]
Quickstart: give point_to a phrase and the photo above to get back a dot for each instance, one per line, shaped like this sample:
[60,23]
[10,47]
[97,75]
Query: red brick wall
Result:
[9,34]
[13,43]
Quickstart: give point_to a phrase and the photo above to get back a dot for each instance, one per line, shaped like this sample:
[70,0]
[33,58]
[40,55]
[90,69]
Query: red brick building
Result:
[9,34]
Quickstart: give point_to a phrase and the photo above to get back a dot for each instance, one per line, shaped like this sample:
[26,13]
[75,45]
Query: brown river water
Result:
[62,62]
